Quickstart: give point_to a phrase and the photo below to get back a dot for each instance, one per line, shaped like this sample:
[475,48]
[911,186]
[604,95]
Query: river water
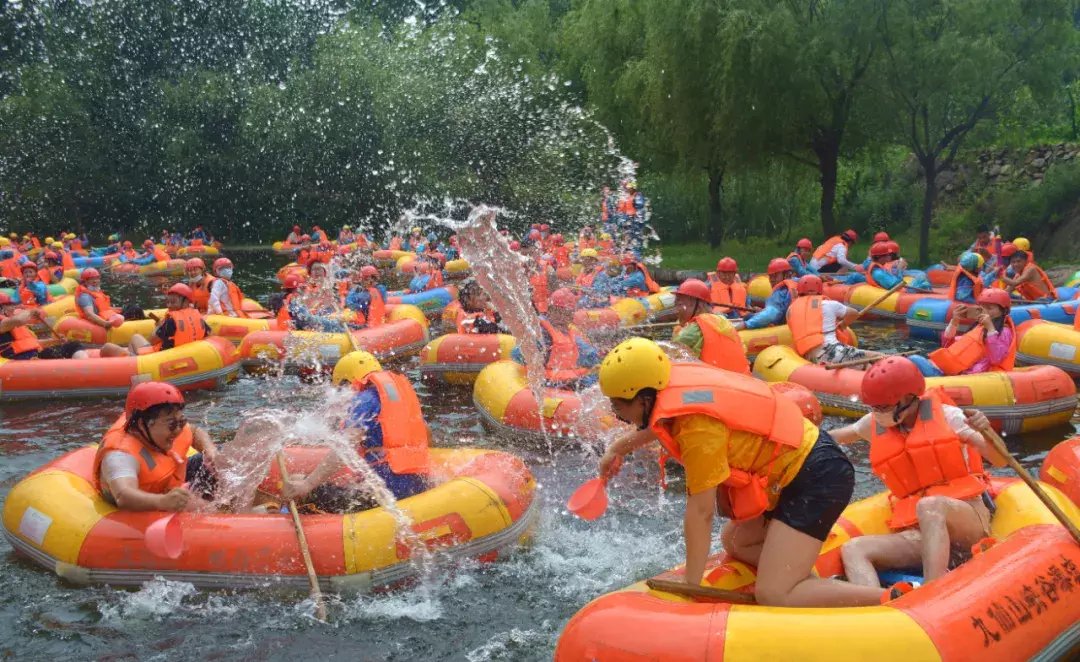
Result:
[511,610]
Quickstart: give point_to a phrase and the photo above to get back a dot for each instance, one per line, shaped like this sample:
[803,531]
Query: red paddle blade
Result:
[590,500]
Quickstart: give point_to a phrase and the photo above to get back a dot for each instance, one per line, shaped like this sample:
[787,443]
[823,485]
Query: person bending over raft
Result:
[397,452]
[799,259]
[569,359]
[989,346]
[710,337]
[783,482]
[966,285]
[368,298]
[475,315]
[817,325]
[1032,283]
[182,323]
[725,289]
[832,256]
[783,293]
[142,462]
[225,295]
[929,455]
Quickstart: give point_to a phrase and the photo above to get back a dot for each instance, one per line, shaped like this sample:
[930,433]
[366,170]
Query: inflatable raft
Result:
[282,248]
[507,404]
[62,288]
[1048,343]
[387,258]
[1015,601]
[482,506]
[432,302]
[405,332]
[457,358]
[621,314]
[928,318]
[205,364]
[198,251]
[756,340]
[233,329]
[1022,400]
[894,307]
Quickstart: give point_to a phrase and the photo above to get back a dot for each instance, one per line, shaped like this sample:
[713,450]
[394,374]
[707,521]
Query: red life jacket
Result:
[66,260]
[28,299]
[721,345]
[200,293]
[189,326]
[562,363]
[969,349]
[9,268]
[927,461]
[395,243]
[696,388]
[977,284]
[466,321]
[159,471]
[585,278]
[102,303]
[405,435]
[18,340]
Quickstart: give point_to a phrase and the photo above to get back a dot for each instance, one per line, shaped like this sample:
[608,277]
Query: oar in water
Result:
[656,325]
[690,590]
[313,579]
[999,445]
[866,359]
[589,501]
[881,298]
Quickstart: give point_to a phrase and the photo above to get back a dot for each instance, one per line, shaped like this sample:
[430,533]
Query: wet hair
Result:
[143,417]
[1020,255]
[64,351]
[132,311]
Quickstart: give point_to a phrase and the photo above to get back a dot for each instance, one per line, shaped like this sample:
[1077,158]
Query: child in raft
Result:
[939,514]
[783,482]
[990,345]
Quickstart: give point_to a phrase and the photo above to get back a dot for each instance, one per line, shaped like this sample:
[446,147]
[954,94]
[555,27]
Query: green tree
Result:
[947,66]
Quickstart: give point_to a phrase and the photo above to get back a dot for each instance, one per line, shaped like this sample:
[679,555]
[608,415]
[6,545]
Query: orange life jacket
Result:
[626,205]
[189,326]
[18,340]
[129,253]
[969,349]
[539,283]
[806,322]
[562,363]
[562,255]
[196,243]
[102,303]
[721,345]
[395,243]
[405,435]
[585,278]
[603,209]
[159,471]
[28,299]
[696,388]
[977,284]
[76,245]
[284,319]
[927,461]
[160,255]
[36,243]
[66,260]
[797,255]
[1032,291]
[466,322]
[9,268]
[888,266]
[362,242]
[304,257]
[650,284]
[46,277]
[724,295]
[436,279]
[236,297]
[586,242]
[200,293]
[605,246]
[822,251]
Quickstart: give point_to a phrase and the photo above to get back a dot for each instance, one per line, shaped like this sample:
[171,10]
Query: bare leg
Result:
[112,350]
[943,521]
[865,555]
[784,578]
[137,343]
[743,540]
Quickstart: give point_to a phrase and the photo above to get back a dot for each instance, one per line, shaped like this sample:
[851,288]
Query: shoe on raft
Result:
[895,591]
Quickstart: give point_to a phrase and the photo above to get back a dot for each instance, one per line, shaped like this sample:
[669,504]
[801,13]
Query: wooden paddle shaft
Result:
[305,552]
[881,298]
[690,590]
[868,359]
[999,445]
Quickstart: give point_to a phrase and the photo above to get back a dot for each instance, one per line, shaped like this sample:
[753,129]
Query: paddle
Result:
[165,537]
[589,501]
[999,445]
[689,590]
[316,592]
[866,359]
[734,307]
[881,298]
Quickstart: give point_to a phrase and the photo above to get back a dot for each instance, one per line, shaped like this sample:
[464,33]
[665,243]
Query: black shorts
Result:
[813,501]
[830,268]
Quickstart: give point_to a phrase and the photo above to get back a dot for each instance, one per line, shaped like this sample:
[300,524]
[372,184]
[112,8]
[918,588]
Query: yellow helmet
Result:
[604,236]
[4,241]
[57,244]
[354,366]
[416,229]
[633,365]
[589,252]
[49,241]
[1022,244]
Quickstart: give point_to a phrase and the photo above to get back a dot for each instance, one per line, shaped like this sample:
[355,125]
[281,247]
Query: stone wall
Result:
[1006,167]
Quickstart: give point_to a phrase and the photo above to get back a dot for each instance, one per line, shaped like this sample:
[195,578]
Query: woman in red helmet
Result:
[799,259]
[989,346]
[225,295]
[929,455]
[710,337]
[182,323]
[569,359]
[725,289]
[142,462]
[783,293]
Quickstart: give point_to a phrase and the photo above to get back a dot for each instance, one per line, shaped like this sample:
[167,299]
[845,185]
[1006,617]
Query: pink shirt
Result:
[997,345]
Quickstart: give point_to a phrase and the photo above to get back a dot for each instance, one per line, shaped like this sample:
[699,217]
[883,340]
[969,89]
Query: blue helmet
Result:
[970,261]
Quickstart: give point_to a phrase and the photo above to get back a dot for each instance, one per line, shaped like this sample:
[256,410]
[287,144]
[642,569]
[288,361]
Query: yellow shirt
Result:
[710,449]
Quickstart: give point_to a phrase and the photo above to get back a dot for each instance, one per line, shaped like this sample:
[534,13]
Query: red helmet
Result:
[181,290]
[29,265]
[544,227]
[849,236]
[778,265]
[558,239]
[810,284]
[291,282]
[996,296]
[5,300]
[889,380]
[49,255]
[368,270]
[195,263]
[727,264]
[148,243]
[564,298]
[88,274]
[222,263]
[694,288]
[893,246]
[1008,249]
[879,249]
[881,236]
[127,244]
[305,237]
[515,245]
[149,394]
[627,258]
[805,243]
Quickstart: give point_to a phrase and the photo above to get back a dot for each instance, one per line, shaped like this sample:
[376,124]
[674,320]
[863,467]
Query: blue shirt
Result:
[39,289]
[965,290]
[588,356]
[359,299]
[801,268]
[635,280]
[774,312]
[419,282]
[304,319]
[884,278]
[363,414]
